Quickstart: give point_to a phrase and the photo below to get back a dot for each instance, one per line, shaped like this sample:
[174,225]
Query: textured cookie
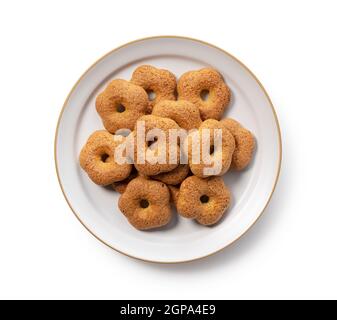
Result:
[174,177]
[159,83]
[150,167]
[97,159]
[244,144]
[121,104]
[184,113]
[222,155]
[205,200]
[120,186]
[146,203]
[207,90]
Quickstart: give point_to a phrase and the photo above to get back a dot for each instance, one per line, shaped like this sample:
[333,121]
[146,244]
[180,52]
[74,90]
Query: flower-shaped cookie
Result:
[121,104]
[207,90]
[97,159]
[154,155]
[146,203]
[244,144]
[207,141]
[160,84]
[205,200]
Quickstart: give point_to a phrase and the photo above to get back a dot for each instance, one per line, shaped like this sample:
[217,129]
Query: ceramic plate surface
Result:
[182,240]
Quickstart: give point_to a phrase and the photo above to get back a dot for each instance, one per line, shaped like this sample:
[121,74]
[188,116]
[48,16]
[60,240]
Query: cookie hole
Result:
[104,157]
[204,94]
[151,95]
[144,203]
[211,150]
[120,108]
[149,143]
[204,198]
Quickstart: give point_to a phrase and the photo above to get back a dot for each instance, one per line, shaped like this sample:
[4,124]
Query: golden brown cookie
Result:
[207,90]
[97,159]
[183,112]
[174,177]
[155,150]
[146,203]
[205,200]
[121,104]
[160,84]
[174,191]
[244,144]
[219,157]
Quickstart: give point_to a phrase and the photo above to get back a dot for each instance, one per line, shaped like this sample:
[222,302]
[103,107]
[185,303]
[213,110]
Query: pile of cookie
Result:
[148,190]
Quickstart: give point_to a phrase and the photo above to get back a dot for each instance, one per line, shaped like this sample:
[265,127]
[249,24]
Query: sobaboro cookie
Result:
[146,203]
[121,104]
[244,144]
[160,84]
[205,200]
[158,153]
[207,90]
[97,159]
[184,113]
[219,150]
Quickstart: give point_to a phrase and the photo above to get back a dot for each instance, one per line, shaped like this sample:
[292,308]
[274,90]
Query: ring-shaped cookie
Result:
[146,203]
[207,90]
[146,166]
[219,157]
[160,84]
[121,104]
[97,159]
[244,144]
[205,200]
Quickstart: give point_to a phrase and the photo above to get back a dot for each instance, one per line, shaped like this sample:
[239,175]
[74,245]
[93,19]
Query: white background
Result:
[44,48]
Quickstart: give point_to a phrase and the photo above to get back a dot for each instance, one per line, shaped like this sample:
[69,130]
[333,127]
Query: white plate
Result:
[183,240]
